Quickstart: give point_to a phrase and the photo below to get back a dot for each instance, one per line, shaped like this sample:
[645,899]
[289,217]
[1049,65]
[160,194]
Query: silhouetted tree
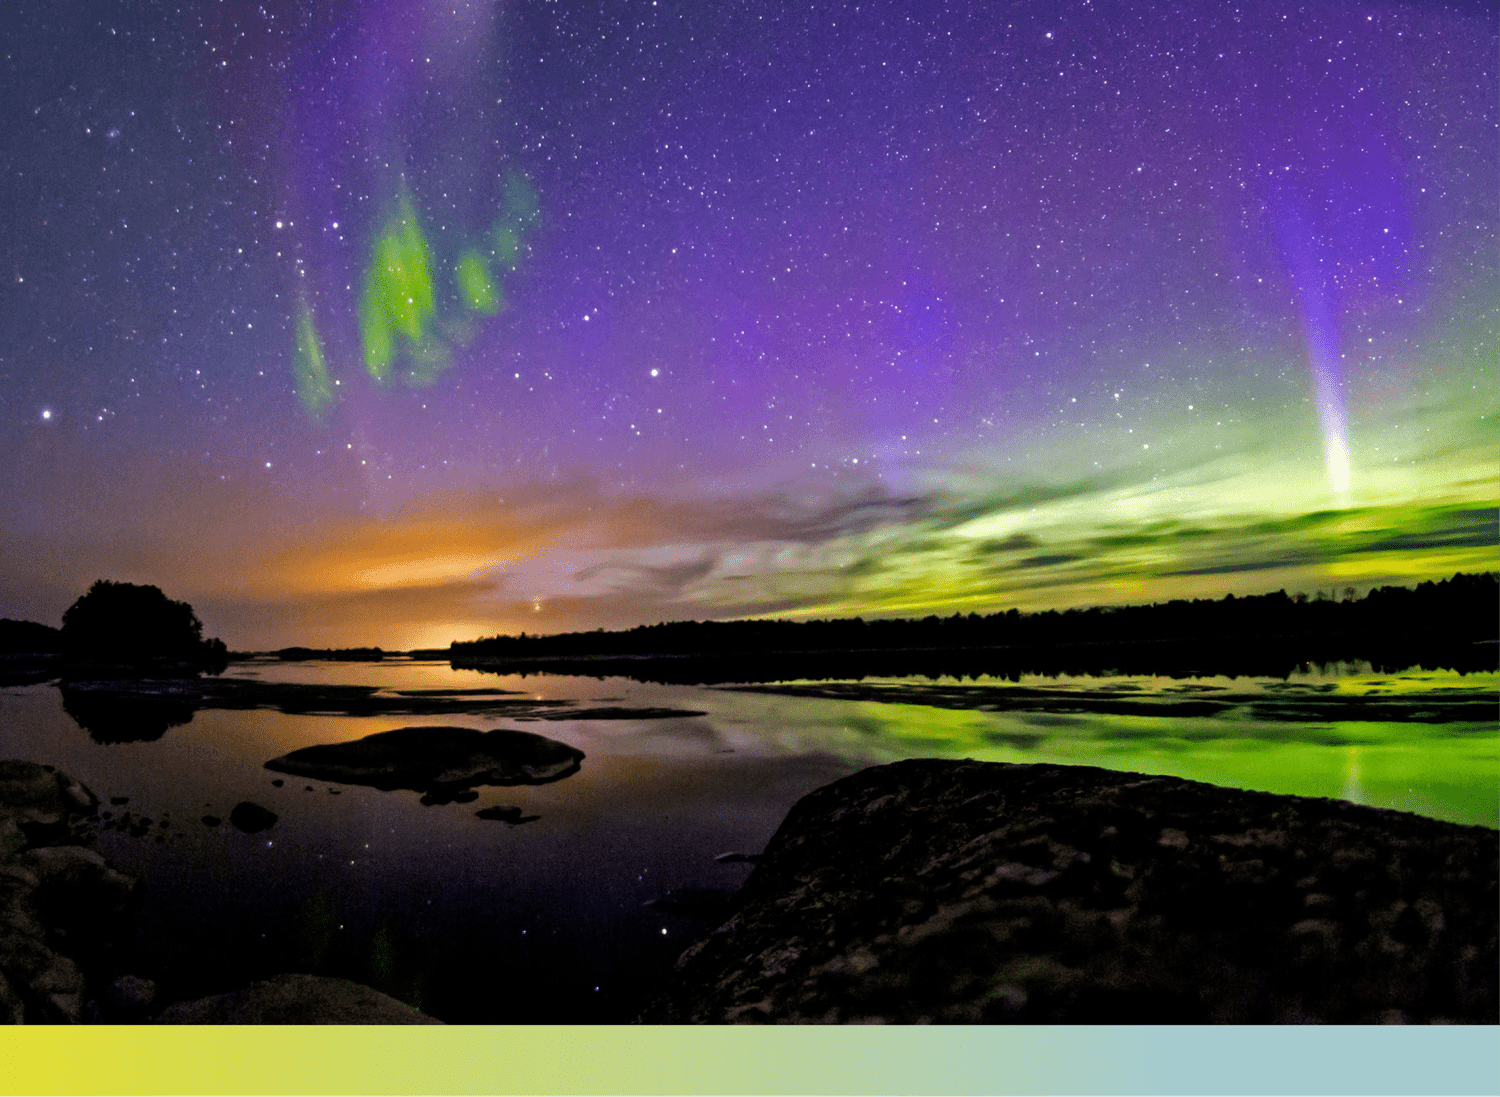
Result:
[131,625]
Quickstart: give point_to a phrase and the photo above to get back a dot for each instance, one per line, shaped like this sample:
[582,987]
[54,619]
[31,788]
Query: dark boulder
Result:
[969,892]
[439,761]
[251,818]
[296,1000]
[512,815]
[40,805]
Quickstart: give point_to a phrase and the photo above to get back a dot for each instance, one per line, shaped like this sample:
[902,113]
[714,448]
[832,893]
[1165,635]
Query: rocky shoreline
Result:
[930,891]
[922,891]
[59,903]
[62,907]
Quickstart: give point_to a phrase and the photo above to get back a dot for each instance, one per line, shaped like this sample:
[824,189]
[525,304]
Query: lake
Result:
[542,916]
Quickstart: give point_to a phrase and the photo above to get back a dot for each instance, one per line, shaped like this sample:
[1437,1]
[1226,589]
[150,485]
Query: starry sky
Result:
[400,322]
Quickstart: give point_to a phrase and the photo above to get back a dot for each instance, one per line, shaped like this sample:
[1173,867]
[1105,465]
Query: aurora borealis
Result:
[398,323]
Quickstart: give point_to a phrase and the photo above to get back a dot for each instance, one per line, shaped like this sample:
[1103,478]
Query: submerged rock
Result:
[251,818]
[514,816]
[970,892]
[297,1000]
[436,760]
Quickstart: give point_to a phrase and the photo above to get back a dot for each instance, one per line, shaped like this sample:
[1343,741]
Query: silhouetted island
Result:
[126,626]
[115,632]
[342,655]
[1451,623]
[29,638]
[29,652]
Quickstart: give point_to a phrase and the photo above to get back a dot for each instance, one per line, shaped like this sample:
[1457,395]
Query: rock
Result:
[60,987]
[252,818]
[128,997]
[436,760]
[296,1000]
[970,892]
[12,837]
[48,984]
[39,803]
[501,814]
[126,1000]
[12,1009]
[73,876]
[19,915]
[211,820]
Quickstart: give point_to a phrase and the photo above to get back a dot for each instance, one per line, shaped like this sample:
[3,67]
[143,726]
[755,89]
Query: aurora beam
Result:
[1328,384]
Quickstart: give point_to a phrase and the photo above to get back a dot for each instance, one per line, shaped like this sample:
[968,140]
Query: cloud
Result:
[268,569]
[420,615]
[1016,542]
[1046,561]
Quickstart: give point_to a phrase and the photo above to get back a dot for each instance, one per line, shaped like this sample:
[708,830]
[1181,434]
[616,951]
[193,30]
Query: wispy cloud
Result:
[571,555]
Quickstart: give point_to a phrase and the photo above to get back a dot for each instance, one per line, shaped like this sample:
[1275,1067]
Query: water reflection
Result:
[1353,789]
[1426,740]
[111,715]
[543,889]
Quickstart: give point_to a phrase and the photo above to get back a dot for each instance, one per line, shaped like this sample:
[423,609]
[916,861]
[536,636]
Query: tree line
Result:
[1459,610]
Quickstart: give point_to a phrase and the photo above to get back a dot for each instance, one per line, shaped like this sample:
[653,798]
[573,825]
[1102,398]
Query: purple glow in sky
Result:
[403,322]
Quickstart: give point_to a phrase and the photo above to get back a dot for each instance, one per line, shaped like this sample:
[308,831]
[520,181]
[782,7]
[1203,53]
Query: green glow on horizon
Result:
[314,388]
[1061,558]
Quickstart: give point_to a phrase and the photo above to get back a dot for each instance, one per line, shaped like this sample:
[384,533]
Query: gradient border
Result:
[710,1060]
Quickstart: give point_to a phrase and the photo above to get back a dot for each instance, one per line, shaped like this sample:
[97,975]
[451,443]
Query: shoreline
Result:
[1051,894]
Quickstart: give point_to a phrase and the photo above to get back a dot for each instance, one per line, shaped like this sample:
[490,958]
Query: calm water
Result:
[483,921]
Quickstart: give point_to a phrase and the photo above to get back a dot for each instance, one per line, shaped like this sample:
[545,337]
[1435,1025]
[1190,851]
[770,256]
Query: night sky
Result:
[403,322]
